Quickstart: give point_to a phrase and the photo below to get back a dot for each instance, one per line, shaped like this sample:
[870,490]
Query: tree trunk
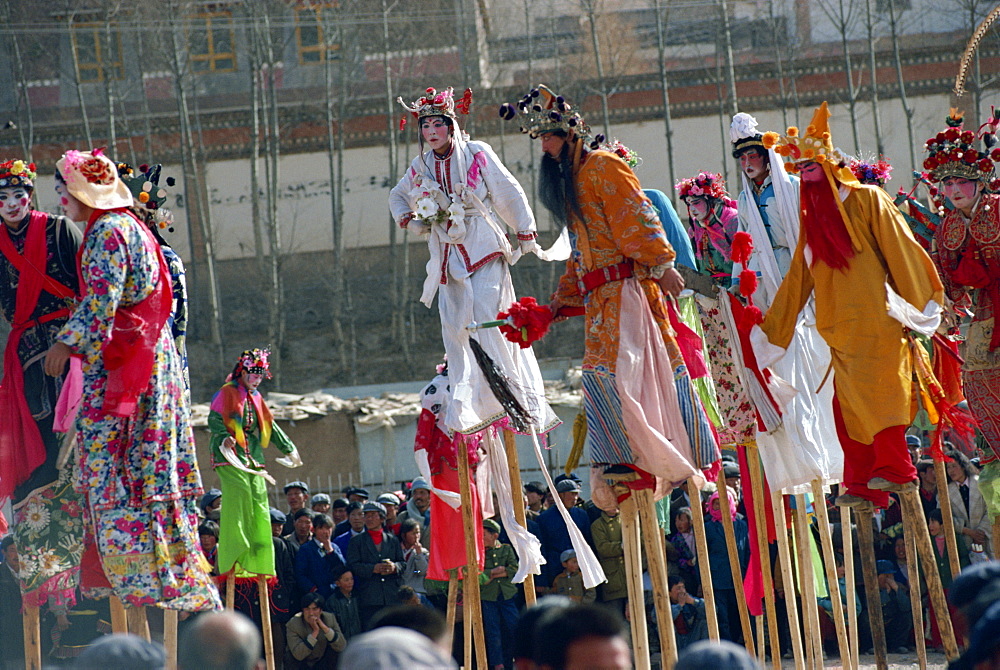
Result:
[109,93]
[727,40]
[79,87]
[852,95]
[907,109]
[662,21]
[599,64]
[873,65]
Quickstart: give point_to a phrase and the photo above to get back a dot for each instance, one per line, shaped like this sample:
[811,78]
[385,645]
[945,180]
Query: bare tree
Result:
[844,18]
[908,109]
[26,129]
[76,76]
[591,9]
[662,13]
[873,68]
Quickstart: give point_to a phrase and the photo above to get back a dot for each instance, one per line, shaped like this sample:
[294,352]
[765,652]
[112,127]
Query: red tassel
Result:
[742,247]
[752,316]
[748,283]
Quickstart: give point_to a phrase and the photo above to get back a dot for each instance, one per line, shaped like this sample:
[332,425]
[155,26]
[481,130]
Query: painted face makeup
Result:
[754,165]
[15,204]
[436,133]
[963,193]
[812,172]
[698,207]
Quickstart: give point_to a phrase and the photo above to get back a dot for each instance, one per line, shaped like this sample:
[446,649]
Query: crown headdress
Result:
[438,103]
[706,185]
[871,170]
[630,156]
[815,146]
[255,361]
[953,151]
[541,111]
[17,173]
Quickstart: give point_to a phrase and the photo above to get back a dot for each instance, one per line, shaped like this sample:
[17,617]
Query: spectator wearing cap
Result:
[358,495]
[418,508]
[316,560]
[552,531]
[534,492]
[415,554]
[973,591]
[354,525]
[285,593]
[897,614]
[376,559]
[390,501]
[569,582]
[338,510]
[211,505]
[499,596]
[296,494]
[320,503]
[302,523]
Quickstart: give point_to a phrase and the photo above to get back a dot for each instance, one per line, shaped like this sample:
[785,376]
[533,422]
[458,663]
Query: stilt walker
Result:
[728,507]
[38,287]
[866,540]
[807,584]
[787,577]
[242,427]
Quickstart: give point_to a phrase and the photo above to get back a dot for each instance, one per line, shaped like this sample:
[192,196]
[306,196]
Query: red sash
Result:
[21,447]
[130,354]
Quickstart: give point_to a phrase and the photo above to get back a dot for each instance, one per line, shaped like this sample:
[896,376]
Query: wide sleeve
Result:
[911,271]
[568,290]
[792,295]
[104,266]
[280,439]
[506,195]
[399,196]
[634,224]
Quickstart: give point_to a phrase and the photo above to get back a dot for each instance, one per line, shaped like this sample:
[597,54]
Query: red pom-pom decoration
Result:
[742,247]
[748,283]
[529,321]
[752,316]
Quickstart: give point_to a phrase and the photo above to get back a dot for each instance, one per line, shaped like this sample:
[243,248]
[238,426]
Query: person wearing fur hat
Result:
[242,427]
[135,450]
[857,256]
[967,253]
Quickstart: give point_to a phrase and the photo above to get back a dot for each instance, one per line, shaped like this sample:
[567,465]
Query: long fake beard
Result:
[824,227]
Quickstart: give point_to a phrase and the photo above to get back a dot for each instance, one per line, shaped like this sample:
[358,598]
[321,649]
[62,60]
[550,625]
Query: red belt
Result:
[45,318]
[602,276]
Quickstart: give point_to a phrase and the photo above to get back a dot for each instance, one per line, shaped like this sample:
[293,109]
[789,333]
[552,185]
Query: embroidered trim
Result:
[529,235]
[953,231]
[478,264]
[985,224]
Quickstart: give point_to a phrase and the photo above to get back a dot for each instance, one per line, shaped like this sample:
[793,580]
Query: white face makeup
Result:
[963,193]
[754,165]
[436,133]
[698,207]
[15,203]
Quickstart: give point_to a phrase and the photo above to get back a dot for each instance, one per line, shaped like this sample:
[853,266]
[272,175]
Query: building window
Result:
[97,56]
[212,42]
[314,45]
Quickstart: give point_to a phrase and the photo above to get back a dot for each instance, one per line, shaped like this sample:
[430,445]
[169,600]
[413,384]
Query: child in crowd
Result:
[569,582]
[690,624]
[343,604]
[499,596]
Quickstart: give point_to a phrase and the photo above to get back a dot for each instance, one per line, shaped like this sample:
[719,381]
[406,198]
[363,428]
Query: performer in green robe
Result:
[242,427]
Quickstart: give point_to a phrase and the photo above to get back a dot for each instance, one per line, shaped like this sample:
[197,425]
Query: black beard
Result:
[556,187]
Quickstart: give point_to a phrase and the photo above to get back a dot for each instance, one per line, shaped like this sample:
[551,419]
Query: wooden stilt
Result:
[916,604]
[32,637]
[866,540]
[265,620]
[726,505]
[656,559]
[911,506]
[472,610]
[231,589]
[450,611]
[785,561]
[170,637]
[757,485]
[704,568]
[761,646]
[119,623]
[944,502]
[807,585]
[517,492]
[995,542]
[847,539]
[833,583]
[629,512]
[137,623]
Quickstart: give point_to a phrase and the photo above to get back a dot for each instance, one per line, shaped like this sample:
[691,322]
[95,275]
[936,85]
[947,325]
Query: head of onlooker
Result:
[535,493]
[303,522]
[682,520]
[211,504]
[374,515]
[972,592]
[320,503]
[277,521]
[208,533]
[899,549]
[569,561]
[983,652]
[731,473]
[420,496]
[358,494]
[569,492]
[927,475]
[9,551]
[491,533]
[356,516]
[390,501]
[338,510]
[122,651]
[886,571]
[914,445]
[343,580]
[715,654]
[296,494]
[409,533]
[523,646]
[219,641]
[959,468]
[396,647]
[323,529]
[407,596]
[424,620]
[935,522]
[581,636]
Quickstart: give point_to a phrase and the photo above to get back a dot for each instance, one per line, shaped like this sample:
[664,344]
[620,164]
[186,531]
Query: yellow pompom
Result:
[143,197]
[826,136]
[820,158]
[790,167]
[793,131]
[17,167]
[811,130]
[808,153]
[769,139]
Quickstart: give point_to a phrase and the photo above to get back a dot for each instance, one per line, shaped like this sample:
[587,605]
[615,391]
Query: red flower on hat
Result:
[951,134]
[968,136]
[970,156]
[985,165]
[930,163]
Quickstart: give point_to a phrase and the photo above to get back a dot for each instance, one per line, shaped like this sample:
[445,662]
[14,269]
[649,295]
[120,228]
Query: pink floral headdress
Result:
[437,103]
[706,185]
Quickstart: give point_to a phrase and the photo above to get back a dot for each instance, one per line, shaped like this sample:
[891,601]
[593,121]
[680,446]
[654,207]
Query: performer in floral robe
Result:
[242,427]
[461,196]
[135,455]
[966,249]
[713,221]
[38,285]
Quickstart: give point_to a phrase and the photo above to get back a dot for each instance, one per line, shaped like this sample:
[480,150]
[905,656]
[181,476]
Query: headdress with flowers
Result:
[254,361]
[953,152]
[814,146]
[92,178]
[630,156]
[144,184]
[705,185]
[16,172]
[541,111]
[437,103]
[871,170]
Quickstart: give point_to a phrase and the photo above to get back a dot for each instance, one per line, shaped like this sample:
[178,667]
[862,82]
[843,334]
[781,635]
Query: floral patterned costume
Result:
[138,475]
